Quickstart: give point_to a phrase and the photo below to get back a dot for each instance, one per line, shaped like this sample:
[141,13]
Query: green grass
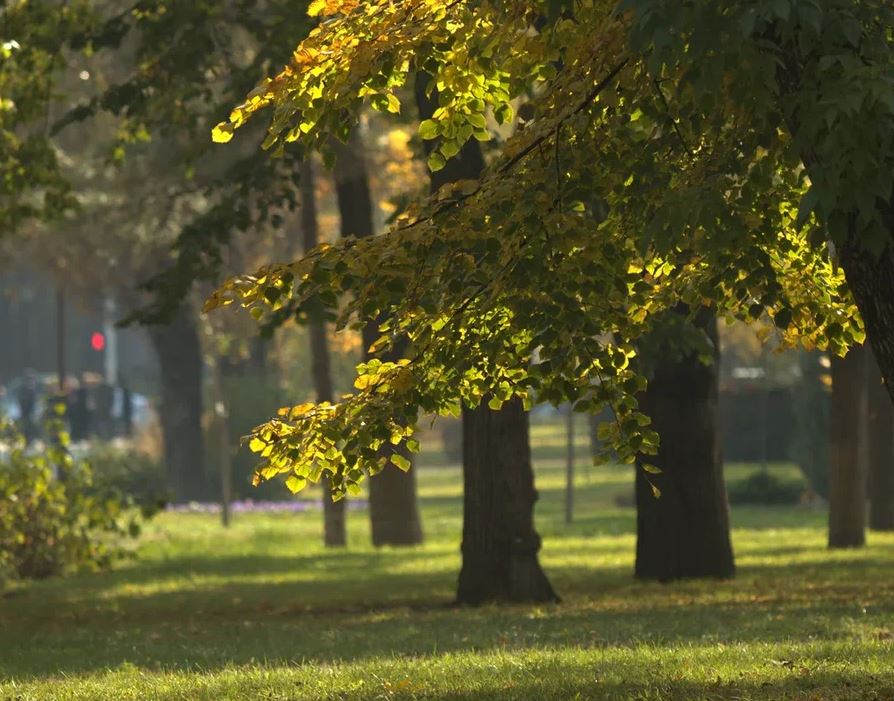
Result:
[262,611]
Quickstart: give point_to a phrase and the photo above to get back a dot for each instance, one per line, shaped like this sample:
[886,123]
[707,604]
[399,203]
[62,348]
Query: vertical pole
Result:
[60,337]
[110,359]
[765,427]
[569,466]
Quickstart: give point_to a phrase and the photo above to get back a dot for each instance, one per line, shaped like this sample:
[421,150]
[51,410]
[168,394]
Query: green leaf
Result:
[428,129]
[400,462]
[450,148]
[651,469]
[436,161]
[477,120]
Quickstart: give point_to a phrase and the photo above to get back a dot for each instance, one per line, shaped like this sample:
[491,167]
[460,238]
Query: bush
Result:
[135,475]
[52,517]
[765,488]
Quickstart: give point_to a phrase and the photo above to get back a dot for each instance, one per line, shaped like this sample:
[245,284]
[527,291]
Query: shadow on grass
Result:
[362,605]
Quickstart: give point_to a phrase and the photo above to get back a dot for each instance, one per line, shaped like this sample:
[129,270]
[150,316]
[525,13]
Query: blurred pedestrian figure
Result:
[79,413]
[126,408]
[27,400]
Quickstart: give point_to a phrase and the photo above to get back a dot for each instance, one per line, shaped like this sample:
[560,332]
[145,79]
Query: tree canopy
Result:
[665,153]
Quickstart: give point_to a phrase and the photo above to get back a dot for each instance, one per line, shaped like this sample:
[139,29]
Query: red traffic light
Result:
[97,341]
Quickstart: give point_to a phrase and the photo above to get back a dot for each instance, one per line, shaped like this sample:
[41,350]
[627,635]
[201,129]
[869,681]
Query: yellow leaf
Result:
[295,484]
[222,133]
[400,462]
[256,445]
[393,104]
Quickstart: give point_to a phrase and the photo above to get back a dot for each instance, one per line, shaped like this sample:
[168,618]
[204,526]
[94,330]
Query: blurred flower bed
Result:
[249,506]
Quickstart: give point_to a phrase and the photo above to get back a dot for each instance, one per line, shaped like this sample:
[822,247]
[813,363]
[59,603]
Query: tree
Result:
[847,446]
[393,507]
[500,543]
[683,527]
[180,356]
[880,429]
[334,511]
[699,126]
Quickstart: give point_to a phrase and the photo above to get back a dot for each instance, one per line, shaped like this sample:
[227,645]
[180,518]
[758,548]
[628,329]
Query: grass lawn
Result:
[262,611]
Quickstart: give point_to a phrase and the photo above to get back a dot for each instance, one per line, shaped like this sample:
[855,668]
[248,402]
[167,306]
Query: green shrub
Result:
[765,488]
[53,519]
[132,474]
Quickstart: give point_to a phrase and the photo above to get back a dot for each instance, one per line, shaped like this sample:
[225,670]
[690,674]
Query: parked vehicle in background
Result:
[94,409]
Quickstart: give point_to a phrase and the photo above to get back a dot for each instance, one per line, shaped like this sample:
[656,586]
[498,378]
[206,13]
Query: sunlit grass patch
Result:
[263,611]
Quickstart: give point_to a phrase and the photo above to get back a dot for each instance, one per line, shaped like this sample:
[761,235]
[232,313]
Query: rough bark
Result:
[334,512]
[500,545]
[393,507]
[685,532]
[880,426]
[180,359]
[847,459]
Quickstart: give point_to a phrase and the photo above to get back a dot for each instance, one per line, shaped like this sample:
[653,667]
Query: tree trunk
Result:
[685,532]
[334,530]
[393,507]
[847,459]
[500,544]
[881,450]
[180,358]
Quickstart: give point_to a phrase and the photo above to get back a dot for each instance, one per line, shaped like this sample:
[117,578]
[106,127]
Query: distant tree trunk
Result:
[685,532]
[393,507]
[811,401]
[334,530]
[847,459]
[881,450]
[180,358]
[500,544]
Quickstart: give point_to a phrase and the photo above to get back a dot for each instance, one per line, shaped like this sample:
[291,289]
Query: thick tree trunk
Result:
[500,544]
[685,532]
[334,529]
[180,358]
[393,507]
[881,450]
[847,445]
